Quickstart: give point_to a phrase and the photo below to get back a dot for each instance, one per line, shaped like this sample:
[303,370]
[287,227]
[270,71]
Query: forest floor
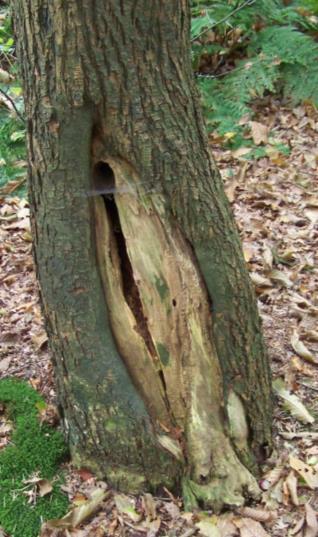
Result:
[275,200]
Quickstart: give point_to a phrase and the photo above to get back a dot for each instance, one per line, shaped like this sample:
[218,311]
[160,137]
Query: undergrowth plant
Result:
[12,127]
[245,50]
[34,449]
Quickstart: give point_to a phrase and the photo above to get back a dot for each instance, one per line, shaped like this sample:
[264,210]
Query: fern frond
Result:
[300,83]
[285,43]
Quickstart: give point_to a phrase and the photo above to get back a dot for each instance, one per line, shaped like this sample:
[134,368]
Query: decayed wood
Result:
[163,326]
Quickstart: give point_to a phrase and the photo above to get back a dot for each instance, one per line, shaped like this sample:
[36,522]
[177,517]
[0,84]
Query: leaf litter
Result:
[274,199]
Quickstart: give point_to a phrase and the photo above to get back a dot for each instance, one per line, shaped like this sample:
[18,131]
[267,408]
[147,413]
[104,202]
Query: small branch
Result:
[13,105]
[246,3]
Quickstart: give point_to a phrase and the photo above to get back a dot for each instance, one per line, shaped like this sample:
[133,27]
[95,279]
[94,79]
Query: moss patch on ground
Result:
[34,448]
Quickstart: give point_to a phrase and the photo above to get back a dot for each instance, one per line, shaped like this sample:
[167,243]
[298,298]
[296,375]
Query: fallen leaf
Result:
[126,506]
[268,258]
[260,515]
[304,434]
[172,509]
[5,428]
[5,77]
[84,474]
[226,526]
[149,506]
[208,528]
[44,486]
[11,186]
[280,277]
[250,528]
[296,529]
[272,476]
[248,253]
[152,527]
[39,340]
[311,528]
[312,215]
[78,514]
[312,335]
[24,224]
[79,498]
[274,496]
[292,403]
[301,349]
[259,132]
[291,483]
[4,364]
[230,190]
[241,151]
[308,473]
[259,281]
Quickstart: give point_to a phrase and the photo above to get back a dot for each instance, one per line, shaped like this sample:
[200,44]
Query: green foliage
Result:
[257,48]
[12,128]
[34,448]
[12,148]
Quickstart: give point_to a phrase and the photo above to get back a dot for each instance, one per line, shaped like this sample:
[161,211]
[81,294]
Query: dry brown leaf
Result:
[208,528]
[312,335]
[78,514]
[241,151]
[259,281]
[126,506]
[259,132]
[312,215]
[24,224]
[5,428]
[11,186]
[85,474]
[311,527]
[298,364]
[248,253]
[10,279]
[44,486]
[149,506]
[308,473]
[272,476]
[230,190]
[304,434]
[173,510]
[301,349]
[260,515]
[268,258]
[4,364]
[226,526]
[296,529]
[250,528]
[39,340]
[292,403]
[152,527]
[291,483]
[280,277]
[5,77]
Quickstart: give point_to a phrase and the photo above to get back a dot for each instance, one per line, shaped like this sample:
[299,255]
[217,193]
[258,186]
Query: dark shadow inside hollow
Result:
[103,179]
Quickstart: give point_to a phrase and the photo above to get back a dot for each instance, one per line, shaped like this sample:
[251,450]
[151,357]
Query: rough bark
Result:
[156,337]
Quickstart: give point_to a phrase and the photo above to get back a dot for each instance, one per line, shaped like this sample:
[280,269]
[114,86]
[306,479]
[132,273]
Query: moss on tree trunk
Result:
[160,364]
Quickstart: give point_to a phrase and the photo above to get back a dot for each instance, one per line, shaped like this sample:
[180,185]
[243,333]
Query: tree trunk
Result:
[160,365]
